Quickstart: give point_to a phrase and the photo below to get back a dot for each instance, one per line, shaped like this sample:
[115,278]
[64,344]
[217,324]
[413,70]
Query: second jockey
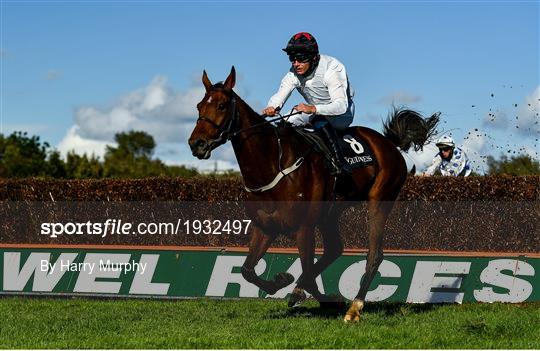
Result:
[450,160]
[322,81]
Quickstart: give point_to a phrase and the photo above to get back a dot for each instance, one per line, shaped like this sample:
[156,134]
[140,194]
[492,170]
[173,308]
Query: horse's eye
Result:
[222,106]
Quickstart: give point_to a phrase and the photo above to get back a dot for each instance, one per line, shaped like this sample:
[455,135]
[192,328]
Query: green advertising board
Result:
[188,273]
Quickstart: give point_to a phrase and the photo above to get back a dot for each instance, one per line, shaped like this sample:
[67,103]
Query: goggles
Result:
[302,58]
[445,148]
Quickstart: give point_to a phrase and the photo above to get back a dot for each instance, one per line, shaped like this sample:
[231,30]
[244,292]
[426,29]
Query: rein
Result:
[265,122]
[226,134]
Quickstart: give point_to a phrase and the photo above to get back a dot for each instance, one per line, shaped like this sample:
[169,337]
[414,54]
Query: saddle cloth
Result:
[355,150]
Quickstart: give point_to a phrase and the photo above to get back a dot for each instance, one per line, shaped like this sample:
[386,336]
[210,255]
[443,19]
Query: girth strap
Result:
[278,177]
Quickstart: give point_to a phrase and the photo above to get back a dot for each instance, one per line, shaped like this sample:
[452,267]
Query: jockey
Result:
[322,81]
[450,161]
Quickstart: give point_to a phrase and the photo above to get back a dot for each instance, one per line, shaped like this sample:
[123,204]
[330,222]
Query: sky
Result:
[77,72]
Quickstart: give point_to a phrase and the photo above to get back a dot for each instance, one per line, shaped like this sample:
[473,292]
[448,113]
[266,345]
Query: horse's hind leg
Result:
[258,246]
[378,213]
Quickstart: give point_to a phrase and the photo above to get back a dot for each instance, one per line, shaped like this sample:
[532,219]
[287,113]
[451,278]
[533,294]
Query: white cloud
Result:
[495,120]
[476,146]
[420,159]
[74,142]
[158,109]
[528,114]
[400,98]
[155,94]
[524,122]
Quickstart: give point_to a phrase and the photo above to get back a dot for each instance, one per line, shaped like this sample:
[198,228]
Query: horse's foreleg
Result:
[305,240]
[378,213]
[258,246]
[333,247]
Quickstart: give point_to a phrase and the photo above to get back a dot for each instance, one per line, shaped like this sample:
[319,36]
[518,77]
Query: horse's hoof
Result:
[350,318]
[353,314]
[298,296]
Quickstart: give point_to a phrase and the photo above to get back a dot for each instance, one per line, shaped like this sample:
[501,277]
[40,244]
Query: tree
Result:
[80,167]
[131,158]
[56,167]
[22,156]
[516,165]
[138,144]
[181,171]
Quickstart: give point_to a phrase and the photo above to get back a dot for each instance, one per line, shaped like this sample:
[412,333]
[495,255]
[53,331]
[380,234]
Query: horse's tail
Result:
[406,128]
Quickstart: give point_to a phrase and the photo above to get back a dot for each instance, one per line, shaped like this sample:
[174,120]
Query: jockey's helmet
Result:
[303,47]
[302,43]
[445,141]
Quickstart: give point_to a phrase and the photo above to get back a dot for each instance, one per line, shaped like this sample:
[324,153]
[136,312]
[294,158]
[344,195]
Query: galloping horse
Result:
[300,198]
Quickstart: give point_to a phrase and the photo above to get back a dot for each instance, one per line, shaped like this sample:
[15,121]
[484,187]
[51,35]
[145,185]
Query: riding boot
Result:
[340,164]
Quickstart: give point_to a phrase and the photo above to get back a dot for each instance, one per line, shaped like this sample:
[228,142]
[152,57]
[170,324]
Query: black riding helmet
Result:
[302,43]
[304,47]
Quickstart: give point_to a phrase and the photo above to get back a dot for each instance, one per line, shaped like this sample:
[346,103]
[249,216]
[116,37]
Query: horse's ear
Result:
[206,81]
[231,79]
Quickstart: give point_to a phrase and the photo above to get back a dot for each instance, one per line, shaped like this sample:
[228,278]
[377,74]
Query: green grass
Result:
[102,324]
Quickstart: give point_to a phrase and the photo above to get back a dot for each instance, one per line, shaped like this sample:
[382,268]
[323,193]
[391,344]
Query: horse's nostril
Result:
[197,143]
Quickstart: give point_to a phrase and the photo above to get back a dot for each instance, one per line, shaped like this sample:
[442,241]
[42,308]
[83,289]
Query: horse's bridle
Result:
[225,132]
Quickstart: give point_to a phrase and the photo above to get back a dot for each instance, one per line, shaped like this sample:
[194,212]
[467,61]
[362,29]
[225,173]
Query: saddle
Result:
[355,150]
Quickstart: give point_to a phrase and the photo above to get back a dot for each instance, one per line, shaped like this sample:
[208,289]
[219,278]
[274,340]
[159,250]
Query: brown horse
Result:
[302,200]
